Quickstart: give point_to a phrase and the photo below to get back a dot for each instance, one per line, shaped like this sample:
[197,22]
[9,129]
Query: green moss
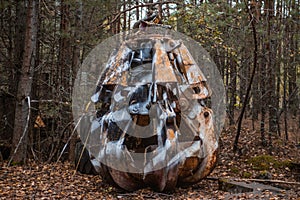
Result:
[265,162]
[283,164]
[247,174]
[13,163]
[235,170]
[264,175]
[262,162]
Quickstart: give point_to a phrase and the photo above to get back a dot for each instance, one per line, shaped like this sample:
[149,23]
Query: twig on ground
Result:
[255,180]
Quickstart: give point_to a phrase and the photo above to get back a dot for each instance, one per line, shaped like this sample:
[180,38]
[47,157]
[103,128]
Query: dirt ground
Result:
[61,181]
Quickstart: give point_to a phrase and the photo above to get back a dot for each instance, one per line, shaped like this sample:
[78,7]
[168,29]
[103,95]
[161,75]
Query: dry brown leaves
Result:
[59,181]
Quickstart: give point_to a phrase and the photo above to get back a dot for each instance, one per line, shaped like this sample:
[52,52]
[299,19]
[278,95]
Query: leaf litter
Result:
[60,181]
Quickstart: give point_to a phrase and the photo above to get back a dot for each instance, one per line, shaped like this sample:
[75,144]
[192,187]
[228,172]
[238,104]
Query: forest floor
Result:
[61,181]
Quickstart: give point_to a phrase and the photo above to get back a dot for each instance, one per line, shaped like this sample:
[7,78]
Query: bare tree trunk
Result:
[240,119]
[256,10]
[22,111]
[64,81]
[33,132]
[75,64]
[292,70]
[270,75]
[243,79]
[16,59]
[8,69]
[232,85]
[180,21]
[129,21]
[64,66]
[262,102]
[285,102]
[77,40]
[160,10]
[278,64]
[137,11]
[124,16]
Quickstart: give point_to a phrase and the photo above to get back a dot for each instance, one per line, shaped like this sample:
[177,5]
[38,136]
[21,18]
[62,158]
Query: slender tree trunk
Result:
[232,85]
[63,81]
[285,110]
[243,80]
[17,57]
[64,66]
[75,64]
[270,75]
[8,99]
[292,70]
[137,10]
[278,65]
[270,83]
[22,111]
[33,136]
[263,101]
[129,21]
[160,10]
[256,10]
[180,21]
[240,119]
[278,81]
[124,16]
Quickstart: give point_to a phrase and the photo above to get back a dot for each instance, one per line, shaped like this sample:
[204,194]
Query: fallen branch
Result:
[267,181]
[254,180]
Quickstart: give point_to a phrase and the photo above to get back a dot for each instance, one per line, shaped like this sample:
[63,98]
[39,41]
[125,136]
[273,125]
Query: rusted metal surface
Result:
[153,89]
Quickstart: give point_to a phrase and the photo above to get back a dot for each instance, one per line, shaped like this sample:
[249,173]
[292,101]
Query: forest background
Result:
[255,45]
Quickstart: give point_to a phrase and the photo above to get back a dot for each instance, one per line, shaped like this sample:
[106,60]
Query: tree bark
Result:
[232,86]
[20,135]
[240,119]
[271,85]
[75,65]
[16,59]
[292,70]
[124,16]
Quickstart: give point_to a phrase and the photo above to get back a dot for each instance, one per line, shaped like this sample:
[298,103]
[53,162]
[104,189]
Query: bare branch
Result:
[142,5]
[69,139]
[51,101]
[240,119]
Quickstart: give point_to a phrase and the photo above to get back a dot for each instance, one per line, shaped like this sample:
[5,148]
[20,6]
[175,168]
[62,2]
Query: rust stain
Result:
[163,68]
[211,163]
[171,62]
[191,69]
[171,134]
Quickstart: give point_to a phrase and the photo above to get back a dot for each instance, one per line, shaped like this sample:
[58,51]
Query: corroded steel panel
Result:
[162,67]
[149,118]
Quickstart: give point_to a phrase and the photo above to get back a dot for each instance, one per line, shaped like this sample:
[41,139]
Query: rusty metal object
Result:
[149,101]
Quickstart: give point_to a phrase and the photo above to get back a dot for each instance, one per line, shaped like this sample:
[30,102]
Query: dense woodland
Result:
[255,45]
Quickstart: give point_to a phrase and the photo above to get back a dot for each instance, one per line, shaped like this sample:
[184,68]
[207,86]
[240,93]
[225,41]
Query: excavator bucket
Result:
[152,127]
